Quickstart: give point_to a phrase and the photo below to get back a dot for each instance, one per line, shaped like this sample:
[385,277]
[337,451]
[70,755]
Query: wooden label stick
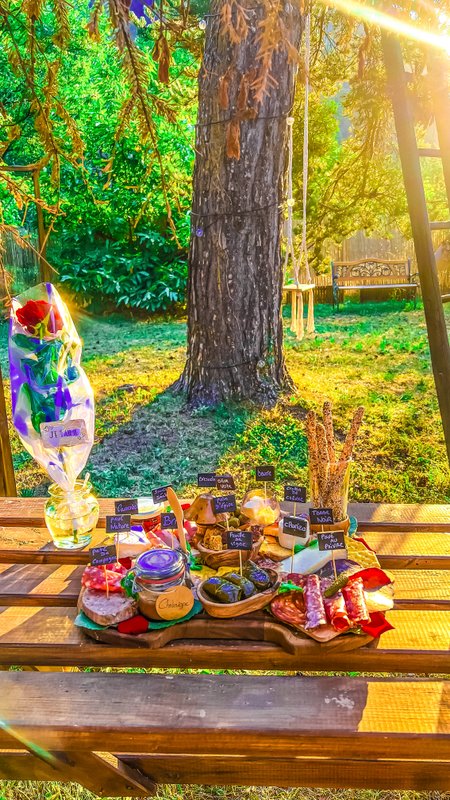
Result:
[240,562]
[334,565]
[228,525]
[295,509]
[106,581]
[265,490]
[117,543]
[292,558]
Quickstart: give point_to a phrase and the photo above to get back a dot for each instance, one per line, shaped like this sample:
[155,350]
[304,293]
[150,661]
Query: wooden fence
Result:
[361,246]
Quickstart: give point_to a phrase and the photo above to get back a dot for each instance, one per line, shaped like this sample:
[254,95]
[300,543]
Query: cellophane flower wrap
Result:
[47,382]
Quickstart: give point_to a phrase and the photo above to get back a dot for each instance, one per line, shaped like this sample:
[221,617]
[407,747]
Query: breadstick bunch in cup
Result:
[329,470]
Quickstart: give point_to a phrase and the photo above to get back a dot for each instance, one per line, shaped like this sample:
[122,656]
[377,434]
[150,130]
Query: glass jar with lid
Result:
[155,572]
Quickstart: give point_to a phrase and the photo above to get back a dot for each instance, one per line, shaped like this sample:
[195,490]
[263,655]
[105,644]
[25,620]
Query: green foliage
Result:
[112,239]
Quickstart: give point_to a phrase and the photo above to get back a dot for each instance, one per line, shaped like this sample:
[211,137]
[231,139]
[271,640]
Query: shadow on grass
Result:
[164,443]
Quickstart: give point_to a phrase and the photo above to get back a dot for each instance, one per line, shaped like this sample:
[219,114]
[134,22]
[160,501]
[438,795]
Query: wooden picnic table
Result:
[120,734]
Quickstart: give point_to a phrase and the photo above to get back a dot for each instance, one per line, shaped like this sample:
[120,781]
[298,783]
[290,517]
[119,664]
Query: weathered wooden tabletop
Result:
[39,587]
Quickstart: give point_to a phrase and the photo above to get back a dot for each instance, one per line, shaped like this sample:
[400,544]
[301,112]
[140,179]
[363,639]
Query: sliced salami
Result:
[355,601]
[315,609]
[337,612]
[290,608]
[95,578]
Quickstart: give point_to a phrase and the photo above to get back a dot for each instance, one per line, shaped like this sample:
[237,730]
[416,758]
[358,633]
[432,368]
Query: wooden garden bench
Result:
[121,734]
[372,274]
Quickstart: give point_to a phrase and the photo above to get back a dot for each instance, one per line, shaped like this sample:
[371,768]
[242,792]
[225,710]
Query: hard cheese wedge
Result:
[312,559]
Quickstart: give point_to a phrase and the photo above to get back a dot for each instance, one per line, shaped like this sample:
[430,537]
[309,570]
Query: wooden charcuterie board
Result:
[256,627]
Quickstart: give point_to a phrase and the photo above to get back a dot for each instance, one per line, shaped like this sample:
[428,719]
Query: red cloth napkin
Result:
[135,625]
[378,624]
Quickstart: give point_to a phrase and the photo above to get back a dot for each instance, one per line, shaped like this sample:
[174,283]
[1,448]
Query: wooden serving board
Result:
[255,627]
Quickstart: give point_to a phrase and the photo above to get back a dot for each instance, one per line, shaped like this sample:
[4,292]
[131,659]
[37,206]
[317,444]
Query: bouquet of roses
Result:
[52,400]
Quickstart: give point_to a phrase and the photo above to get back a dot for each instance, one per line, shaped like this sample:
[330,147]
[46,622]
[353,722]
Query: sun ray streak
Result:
[374,16]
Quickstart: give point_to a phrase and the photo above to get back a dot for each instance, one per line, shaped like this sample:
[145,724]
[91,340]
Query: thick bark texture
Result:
[235,331]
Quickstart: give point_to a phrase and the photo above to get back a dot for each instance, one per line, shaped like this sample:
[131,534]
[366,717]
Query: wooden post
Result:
[426,262]
[438,84]
[42,242]
[7,479]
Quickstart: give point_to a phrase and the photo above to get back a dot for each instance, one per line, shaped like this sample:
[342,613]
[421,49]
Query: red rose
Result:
[39,318]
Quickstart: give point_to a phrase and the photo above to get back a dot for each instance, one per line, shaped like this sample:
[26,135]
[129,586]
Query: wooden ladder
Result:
[410,155]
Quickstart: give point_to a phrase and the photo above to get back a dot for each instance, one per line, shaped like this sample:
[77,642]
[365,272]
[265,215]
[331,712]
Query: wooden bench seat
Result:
[297,731]
[369,274]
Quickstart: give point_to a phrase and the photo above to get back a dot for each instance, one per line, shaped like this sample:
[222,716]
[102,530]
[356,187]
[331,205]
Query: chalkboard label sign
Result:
[118,523]
[225,482]
[331,540]
[224,504]
[168,520]
[99,556]
[265,473]
[126,506]
[239,540]
[295,494]
[206,479]
[321,516]
[160,494]
[296,526]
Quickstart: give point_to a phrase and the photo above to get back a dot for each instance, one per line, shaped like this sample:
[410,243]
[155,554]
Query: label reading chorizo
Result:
[296,526]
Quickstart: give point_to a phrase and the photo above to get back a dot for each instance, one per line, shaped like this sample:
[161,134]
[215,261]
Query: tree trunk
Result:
[235,334]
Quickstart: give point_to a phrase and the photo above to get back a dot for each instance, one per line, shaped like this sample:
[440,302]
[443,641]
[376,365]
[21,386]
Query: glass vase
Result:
[71,516]
[329,485]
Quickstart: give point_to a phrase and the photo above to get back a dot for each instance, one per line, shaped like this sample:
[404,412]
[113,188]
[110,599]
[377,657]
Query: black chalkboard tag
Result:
[239,540]
[118,523]
[206,479]
[126,506]
[106,554]
[265,473]
[296,526]
[160,494]
[225,483]
[224,503]
[295,494]
[321,516]
[331,540]
[168,521]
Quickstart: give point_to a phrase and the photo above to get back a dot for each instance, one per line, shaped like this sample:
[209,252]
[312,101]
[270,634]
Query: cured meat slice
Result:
[96,578]
[289,607]
[337,612]
[355,601]
[315,609]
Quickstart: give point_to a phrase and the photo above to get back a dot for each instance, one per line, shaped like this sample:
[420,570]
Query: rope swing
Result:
[301,271]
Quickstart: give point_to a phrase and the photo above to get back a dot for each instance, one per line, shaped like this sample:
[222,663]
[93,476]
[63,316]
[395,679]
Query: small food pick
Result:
[239,540]
[101,556]
[265,473]
[295,494]
[178,511]
[331,540]
[295,526]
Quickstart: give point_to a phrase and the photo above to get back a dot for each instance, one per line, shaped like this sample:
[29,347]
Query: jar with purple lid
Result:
[156,571]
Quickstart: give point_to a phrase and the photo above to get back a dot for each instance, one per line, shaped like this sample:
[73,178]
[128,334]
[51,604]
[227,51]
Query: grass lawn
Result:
[376,355]
[372,354]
